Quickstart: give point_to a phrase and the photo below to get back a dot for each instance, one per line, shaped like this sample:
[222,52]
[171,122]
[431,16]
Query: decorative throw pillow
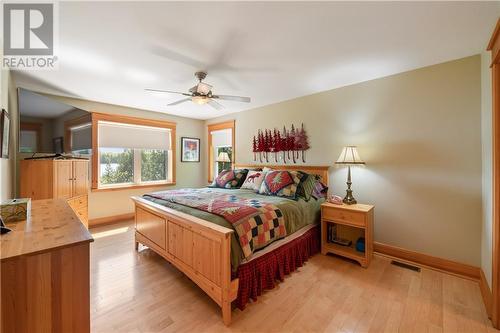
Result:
[320,190]
[254,180]
[223,178]
[281,183]
[230,179]
[239,178]
[306,186]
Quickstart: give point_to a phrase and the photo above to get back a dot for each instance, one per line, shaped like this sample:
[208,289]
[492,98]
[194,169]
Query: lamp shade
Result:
[223,157]
[349,155]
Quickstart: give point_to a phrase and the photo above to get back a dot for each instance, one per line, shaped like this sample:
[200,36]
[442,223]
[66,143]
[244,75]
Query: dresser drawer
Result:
[80,207]
[82,213]
[349,217]
[80,201]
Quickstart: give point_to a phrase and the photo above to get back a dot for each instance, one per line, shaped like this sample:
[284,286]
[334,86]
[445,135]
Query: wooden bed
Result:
[198,248]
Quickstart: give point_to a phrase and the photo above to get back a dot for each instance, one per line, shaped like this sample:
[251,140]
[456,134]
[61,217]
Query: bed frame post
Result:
[226,280]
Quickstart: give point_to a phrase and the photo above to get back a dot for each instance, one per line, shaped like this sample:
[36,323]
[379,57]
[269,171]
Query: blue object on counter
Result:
[360,244]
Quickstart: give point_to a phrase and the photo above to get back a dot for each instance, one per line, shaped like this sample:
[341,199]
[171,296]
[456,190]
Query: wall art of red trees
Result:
[287,145]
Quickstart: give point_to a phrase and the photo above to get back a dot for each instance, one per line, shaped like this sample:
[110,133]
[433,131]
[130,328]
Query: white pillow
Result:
[254,180]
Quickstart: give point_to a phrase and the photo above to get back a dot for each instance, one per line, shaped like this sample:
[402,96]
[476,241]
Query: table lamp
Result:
[224,158]
[349,156]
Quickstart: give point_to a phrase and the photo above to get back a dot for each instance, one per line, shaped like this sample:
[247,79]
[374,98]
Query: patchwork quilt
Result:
[256,223]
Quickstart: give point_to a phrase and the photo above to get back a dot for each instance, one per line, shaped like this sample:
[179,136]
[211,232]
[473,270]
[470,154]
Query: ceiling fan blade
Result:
[179,101]
[215,105]
[233,98]
[167,91]
[225,49]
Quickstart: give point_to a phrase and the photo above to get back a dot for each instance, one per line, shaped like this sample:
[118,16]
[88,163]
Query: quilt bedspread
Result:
[256,222]
[296,213]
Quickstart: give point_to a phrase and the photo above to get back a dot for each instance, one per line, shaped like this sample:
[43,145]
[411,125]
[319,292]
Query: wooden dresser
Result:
[57,178]
[45,272]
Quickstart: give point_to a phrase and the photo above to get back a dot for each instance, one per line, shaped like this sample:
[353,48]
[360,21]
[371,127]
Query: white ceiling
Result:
[35,105]
[110,52]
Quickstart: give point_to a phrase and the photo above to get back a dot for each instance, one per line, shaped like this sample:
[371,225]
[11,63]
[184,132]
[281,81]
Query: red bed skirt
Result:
[262,273]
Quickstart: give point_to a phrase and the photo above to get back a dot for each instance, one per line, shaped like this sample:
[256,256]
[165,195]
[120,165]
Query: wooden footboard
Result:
[198,248]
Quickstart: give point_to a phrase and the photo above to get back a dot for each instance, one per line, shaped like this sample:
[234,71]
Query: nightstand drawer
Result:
[349,217]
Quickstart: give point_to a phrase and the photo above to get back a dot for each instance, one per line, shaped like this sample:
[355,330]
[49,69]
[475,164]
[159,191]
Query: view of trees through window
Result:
[153,165]
[117,165]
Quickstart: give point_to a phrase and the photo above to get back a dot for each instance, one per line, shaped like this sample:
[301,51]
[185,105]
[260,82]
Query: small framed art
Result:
[190,149]
[4,134]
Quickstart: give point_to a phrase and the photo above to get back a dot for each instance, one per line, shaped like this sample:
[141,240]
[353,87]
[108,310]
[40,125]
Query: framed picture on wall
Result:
[190,149]
[58,145]
[4,134]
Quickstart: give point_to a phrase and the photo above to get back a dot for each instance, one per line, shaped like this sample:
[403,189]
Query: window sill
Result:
[131,187]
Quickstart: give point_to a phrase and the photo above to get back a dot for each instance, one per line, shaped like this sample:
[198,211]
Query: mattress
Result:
[297,214]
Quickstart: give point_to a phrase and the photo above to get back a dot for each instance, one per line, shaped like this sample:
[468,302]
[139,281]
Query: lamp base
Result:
[349,199]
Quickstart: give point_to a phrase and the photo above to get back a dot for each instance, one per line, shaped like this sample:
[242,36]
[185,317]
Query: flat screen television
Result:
[49,126]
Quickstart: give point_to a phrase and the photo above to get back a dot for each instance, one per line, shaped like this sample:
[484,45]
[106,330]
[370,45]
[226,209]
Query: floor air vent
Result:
[407,266]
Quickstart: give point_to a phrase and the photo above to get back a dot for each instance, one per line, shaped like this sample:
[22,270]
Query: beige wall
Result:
[420,134]
[487,151]
[102,204]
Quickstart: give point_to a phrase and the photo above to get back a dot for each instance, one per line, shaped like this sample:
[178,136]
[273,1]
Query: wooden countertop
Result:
[52,225]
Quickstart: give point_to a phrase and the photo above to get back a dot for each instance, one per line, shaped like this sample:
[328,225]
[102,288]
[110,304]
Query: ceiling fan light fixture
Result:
[201,94]
[200,100]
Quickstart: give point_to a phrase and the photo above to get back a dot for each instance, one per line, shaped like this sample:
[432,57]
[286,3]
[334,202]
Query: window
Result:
[78,134]
[116,166]
[81,139]
[30,137]
[220,147]
[133,153]
[28,142]
[154,165]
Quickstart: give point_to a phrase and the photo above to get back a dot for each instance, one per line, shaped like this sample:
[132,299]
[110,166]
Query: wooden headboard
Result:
[315,170]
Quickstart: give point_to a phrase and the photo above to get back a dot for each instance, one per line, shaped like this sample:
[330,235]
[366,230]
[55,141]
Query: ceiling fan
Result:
[202,94]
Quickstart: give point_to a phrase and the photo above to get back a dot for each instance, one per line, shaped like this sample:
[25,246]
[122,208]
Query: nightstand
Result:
[348,222]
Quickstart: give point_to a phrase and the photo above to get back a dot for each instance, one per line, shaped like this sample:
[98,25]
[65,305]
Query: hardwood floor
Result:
[141,292]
